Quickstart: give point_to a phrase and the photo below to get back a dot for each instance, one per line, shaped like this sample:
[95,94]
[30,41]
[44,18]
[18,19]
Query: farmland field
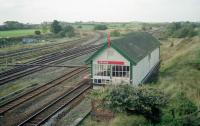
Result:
[17,33]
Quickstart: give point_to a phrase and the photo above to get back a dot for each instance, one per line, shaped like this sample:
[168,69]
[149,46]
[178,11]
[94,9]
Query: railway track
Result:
[37,91]
[26,70]
[38,60]
[47,49]
[52,45]
[20,71]
[42,51]
[61,102]
[8,55]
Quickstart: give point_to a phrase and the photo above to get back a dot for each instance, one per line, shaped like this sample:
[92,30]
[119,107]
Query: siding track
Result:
[41,89]
[63,101]
[51,59]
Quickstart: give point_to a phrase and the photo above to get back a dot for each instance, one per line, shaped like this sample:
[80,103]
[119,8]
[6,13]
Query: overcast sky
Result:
[37,11]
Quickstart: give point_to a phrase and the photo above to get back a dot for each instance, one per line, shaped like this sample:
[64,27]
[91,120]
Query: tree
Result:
[37,32]
[13,25]
[55,27]
[100,27]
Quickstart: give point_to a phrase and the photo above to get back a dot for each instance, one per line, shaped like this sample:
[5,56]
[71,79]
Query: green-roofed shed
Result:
[130,59]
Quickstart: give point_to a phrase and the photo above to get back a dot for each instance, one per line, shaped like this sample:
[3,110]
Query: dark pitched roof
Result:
[134,46]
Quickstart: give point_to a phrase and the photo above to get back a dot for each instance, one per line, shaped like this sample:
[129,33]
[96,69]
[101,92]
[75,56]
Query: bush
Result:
[143,100]
[37,32]
[62,34]
[100,27]
[79,27]
[183,106]
[180,106]
[69,30]
[115,33]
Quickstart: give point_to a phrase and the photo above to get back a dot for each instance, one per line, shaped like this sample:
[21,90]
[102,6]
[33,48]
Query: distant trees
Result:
[180,30]
[12,25]
[62,31]
[100,27]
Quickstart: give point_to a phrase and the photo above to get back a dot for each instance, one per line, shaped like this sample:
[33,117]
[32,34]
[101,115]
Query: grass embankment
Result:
[179,72]
[180,68]
[119,120]
[17,33]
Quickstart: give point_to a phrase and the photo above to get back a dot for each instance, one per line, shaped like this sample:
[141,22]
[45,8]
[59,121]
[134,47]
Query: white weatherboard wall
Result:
[110,54]
[143,67]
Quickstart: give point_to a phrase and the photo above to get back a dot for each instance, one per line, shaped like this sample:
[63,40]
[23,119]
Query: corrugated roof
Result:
[134,46]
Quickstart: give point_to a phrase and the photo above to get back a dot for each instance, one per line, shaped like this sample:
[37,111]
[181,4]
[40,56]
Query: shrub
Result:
[180,106]
[69,30]
[79,27]
[115,33]
[62,34]
[143,100]
[37,32]
[100,27]
[183,106]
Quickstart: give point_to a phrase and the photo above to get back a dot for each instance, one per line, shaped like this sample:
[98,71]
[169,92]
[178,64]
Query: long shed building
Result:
[130,59]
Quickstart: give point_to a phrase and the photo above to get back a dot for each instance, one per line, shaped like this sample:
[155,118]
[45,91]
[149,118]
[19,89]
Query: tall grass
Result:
[178,72]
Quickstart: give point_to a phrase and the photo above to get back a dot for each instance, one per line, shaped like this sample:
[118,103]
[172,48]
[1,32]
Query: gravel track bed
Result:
[27,108]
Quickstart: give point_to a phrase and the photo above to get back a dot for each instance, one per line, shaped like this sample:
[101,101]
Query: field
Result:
[17,33]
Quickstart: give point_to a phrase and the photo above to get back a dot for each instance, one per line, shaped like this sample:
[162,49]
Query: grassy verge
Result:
[121,119]
[178,72]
